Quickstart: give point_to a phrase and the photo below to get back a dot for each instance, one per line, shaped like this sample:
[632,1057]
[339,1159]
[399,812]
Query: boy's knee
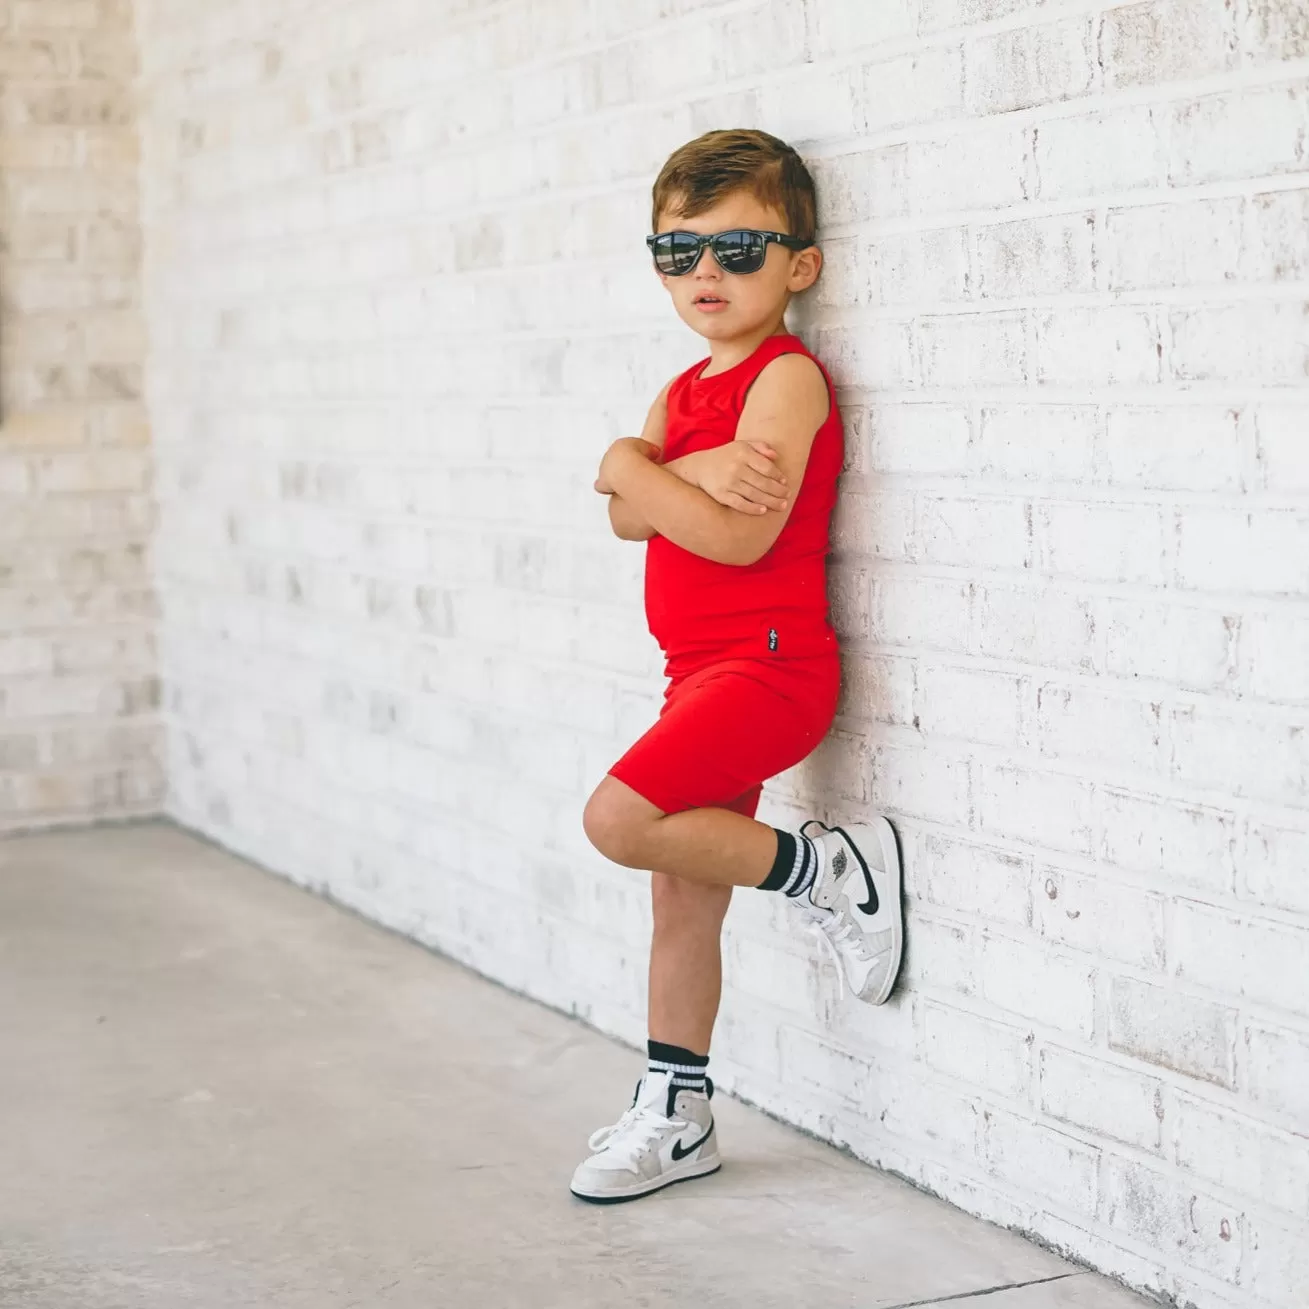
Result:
[612,828]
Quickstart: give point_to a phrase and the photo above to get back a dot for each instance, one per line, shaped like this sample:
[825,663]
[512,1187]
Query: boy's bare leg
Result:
[714,847]
[686,967]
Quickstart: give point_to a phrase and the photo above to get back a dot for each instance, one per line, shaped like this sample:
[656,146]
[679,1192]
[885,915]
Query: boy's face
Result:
[721,306]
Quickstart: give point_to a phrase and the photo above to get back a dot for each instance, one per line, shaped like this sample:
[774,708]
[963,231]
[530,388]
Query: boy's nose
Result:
[706,265]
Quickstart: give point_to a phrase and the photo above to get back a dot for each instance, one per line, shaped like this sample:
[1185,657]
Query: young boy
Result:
[732,485]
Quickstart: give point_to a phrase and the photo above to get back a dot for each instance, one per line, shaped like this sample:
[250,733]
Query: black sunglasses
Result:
[742,250]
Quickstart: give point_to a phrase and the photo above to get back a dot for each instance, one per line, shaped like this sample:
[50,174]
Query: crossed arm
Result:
[728,504]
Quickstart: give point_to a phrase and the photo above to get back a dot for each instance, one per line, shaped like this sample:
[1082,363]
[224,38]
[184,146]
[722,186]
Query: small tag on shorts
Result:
[772,638]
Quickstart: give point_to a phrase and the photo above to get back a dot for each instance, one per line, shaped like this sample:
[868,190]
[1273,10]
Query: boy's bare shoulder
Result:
[793,382]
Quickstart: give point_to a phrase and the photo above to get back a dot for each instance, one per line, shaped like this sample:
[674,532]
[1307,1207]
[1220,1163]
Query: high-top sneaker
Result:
[856,903]
[666,1136]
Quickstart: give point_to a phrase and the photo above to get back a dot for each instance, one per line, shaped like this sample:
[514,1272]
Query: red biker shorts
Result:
[727,727]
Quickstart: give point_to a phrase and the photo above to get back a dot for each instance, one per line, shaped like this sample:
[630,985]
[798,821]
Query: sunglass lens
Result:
[675,252]
[740,252]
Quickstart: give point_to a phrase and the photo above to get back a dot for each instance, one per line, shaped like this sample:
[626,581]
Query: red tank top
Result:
[775,608]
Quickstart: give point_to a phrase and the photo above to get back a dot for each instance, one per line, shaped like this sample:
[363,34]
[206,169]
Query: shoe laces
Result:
[840,937]
[633,1134]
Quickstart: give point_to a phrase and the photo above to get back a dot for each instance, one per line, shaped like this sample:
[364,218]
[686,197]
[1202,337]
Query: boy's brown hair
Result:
[701,173]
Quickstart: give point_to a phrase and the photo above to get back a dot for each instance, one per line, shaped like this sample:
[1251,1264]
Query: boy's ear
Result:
[806,266]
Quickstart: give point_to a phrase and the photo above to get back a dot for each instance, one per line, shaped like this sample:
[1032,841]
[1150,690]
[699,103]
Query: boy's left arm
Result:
[786,406]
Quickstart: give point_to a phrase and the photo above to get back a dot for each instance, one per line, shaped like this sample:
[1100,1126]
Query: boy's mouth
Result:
[709,302]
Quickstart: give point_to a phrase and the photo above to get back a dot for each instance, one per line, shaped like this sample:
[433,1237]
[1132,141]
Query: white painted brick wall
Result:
[398,306]
[79,725]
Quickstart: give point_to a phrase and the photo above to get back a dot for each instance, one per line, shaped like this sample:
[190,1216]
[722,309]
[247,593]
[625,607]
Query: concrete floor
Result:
[217,1090]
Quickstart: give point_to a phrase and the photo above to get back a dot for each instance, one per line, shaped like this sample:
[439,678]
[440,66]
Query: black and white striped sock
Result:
[795,867]
[687,1067]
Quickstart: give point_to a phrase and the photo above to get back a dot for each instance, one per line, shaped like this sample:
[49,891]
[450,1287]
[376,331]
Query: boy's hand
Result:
[622,446]
[741,475]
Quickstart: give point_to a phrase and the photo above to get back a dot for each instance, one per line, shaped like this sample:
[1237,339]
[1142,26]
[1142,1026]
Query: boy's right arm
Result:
[629,525]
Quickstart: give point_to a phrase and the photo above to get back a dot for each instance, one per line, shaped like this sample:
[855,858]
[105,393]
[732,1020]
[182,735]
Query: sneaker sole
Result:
[883,835]
[700,1168]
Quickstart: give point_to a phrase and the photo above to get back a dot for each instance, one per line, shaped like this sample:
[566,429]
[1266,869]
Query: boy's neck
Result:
[727,354]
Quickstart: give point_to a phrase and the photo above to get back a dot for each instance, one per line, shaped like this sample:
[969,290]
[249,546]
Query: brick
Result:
[1273,864]
[852,360]
[933,1117]
[1142,250]
[1036,256]
[979,532]
[1102,1098]
[1101,153]
[19,753]
[1278,1259]
[15,478]
[978,1051]
[1276,30]
[1276,647]
[972,704]
[1039,1161]
[1225,952]
[1265,758]
[1026,978]
[838,29]
[841,760]
[828,1071]
[919,267]
[878,526]
[919,782]
[74,105]
[1029,66]
[24,656]
[919,87]
[1266,343]
[1174,1030]
[1165,1213]
[973,349]
[1278,1064]
[1046,443]
[1103,918]
[941,956]
[1102,542]
[956,13]
[775,976]
[844,279]
[880,687]
[968,171]
[919,438]
[929,613]
[848,594]
[1165,40]
[815,101]
[1183,646]
[1264,553]
[1114,346]
[1077,722]
[1239,1153]
[56,14]
[1038,625]
[973,879]
[1155,447]
[1283,450]
[857,186]
[37,58]
[1257,132]
[1277,237]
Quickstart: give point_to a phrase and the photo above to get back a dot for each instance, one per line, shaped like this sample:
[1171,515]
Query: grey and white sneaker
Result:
[666,1136]
[857,903]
